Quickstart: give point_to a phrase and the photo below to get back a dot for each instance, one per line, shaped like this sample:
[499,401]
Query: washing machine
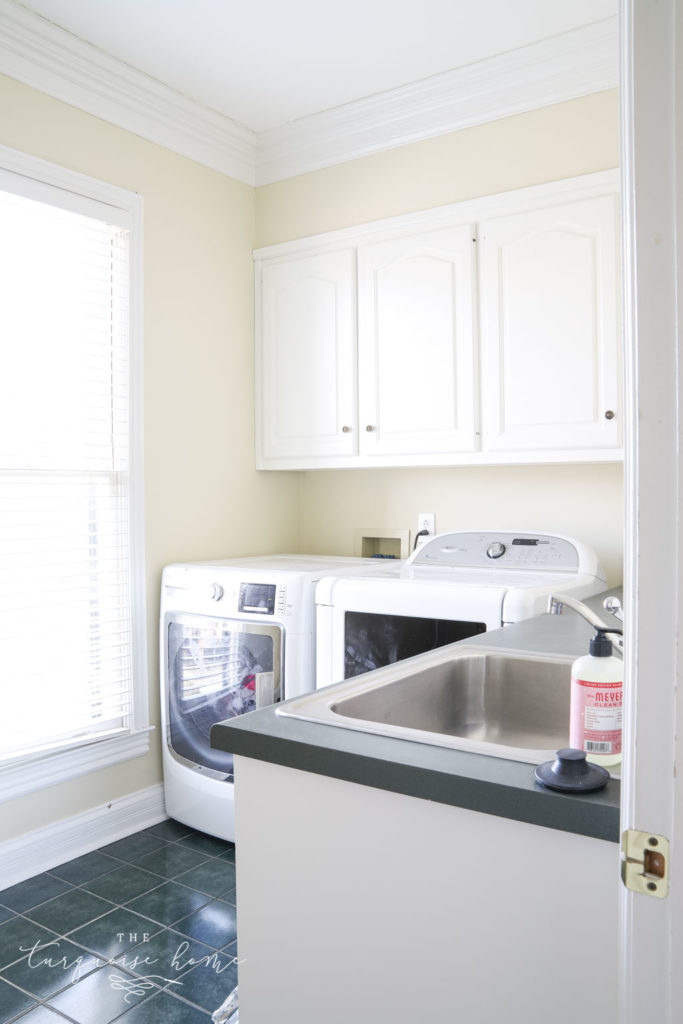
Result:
[235,635]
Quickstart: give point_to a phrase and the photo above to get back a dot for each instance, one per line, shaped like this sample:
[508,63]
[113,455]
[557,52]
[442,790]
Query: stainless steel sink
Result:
[502,703]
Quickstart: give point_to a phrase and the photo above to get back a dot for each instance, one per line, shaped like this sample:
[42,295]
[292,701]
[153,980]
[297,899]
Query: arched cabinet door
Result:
[306,358]
[550,366]
[416,344]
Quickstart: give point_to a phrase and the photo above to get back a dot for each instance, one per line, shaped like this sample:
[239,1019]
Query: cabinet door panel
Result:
[307,357]
[550,339]
[416,344]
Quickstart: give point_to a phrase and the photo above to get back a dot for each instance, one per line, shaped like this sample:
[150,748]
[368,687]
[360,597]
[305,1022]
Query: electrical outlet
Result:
[426,521]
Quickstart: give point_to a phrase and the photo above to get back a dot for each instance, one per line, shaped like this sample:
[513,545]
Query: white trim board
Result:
[562,68]
[42,55]
[46,57]
[45,848]
[57,766]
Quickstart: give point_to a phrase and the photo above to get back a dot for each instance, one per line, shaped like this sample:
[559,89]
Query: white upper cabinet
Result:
[416,344]
[484,332]
[549,324]
[306,358]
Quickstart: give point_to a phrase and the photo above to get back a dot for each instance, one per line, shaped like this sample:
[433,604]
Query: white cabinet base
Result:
[485,333]
[358,905]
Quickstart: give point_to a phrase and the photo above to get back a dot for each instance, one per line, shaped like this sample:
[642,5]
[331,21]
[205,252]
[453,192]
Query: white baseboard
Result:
[45,848]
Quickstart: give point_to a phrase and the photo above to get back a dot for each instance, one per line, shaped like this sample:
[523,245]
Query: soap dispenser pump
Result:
[596,702]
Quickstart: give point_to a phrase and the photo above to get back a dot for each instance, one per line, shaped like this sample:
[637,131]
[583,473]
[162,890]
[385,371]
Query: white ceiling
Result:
[266,63]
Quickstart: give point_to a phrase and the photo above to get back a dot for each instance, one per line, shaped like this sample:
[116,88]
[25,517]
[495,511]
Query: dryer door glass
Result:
[373,640]
[217,669]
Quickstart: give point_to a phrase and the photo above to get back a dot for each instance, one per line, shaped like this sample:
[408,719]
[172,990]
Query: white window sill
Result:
[50,769]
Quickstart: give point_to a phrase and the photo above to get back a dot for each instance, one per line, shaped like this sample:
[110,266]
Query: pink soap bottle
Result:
[596,702]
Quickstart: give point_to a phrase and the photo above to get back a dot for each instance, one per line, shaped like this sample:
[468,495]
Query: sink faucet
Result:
[613,606]
[556,602]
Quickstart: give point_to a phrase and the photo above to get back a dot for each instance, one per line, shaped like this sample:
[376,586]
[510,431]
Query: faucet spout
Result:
[556,603]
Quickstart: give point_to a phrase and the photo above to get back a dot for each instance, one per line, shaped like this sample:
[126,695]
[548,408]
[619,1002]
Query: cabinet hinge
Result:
[645,863]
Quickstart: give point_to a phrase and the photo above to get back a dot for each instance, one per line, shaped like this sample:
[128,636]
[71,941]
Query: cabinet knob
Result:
[346,430]
[609,415]
[369,427]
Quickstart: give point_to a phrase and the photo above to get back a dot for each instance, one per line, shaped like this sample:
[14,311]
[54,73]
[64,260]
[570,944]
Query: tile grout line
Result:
[228,897]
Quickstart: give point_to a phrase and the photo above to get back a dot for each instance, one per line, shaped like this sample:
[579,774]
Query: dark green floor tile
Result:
[123,884]
[165,874]
[52,968]
[18,937]
[171,861]
[214,877]
[12,1001]
[164,1009]
[205,844]
[102,996]
[206,987]
[168,955]
[215,924]
[170,830]
[134,847]
[69,911]
[85,868]
[102,936]
[169,903]
[33,891]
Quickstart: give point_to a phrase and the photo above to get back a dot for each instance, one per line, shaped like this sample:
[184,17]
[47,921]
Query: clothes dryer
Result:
[453,587]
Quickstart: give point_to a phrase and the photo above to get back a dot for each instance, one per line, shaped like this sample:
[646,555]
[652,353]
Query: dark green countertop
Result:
[473,781]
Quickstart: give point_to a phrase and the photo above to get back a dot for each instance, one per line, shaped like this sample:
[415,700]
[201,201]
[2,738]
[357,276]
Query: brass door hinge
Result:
[645,863]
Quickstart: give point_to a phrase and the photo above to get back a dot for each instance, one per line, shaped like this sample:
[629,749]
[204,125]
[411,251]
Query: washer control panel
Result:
[258,598]
[499,550]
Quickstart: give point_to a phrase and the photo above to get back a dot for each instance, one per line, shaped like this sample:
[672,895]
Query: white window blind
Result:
[66,655]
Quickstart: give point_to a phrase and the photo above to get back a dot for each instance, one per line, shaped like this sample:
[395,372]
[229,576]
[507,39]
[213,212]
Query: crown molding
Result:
[561,68]
[46,57]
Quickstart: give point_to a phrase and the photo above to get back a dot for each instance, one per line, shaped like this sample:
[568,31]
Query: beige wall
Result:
[555,142]
[583,501]
[544,145]
[203,497]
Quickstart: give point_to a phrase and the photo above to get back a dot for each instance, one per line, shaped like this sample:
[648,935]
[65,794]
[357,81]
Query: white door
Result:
[416,344]
[306,358]
[549,327]
[652,100]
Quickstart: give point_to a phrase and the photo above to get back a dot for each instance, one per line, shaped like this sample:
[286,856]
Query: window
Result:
[72,659]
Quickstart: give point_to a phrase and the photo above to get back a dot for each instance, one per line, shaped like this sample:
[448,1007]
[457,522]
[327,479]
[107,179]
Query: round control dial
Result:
[496,549]
[215,592]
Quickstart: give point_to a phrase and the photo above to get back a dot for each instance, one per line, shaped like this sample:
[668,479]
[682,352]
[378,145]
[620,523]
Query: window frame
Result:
[47,182]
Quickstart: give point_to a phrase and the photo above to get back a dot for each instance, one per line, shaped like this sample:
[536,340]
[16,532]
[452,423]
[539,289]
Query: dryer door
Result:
[216,669]
[375,639]
[369,623]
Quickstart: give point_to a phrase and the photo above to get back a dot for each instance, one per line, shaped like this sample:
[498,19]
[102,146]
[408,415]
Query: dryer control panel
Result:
[506,550]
